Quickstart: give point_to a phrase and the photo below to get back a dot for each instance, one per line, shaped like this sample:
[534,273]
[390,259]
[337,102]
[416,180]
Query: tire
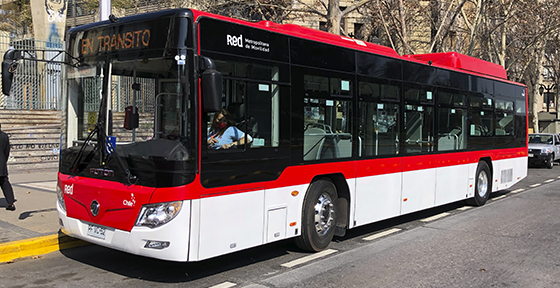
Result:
[319,217]
[483,185]
[550,161]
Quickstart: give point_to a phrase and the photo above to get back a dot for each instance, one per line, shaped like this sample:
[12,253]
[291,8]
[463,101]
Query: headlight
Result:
[60,197]
[546,151]
[154,215]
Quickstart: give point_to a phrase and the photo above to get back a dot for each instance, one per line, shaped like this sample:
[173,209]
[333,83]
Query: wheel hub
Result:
[324,214]
[482,184]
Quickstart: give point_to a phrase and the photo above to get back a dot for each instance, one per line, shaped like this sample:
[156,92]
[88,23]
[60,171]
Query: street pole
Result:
[104,9]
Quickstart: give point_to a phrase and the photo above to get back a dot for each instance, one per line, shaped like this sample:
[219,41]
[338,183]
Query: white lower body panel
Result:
[452,184]
[377,197]
[385,196]
[230,223]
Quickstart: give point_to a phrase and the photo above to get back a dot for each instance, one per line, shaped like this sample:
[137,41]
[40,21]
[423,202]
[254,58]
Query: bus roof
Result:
[462,62]
[449,60]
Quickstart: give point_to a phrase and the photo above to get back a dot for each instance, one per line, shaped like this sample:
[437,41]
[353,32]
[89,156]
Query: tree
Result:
[331,12]
[16,17]
[250,10]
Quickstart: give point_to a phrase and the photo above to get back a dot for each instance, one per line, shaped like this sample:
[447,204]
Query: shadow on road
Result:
[28,214]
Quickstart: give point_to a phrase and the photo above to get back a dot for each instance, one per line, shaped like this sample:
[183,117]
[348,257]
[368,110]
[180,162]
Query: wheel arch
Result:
[488,161]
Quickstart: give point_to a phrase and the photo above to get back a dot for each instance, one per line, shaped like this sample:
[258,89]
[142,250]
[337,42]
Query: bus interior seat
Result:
[321,143]
[344,145]
[313,141]
[453,140]
[477,131]
[237,111]
[330,147]
[447,142]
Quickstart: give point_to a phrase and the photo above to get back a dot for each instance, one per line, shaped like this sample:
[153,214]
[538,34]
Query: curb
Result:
[36,246]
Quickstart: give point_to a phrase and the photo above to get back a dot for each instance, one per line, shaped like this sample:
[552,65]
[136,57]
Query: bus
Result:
[333,133]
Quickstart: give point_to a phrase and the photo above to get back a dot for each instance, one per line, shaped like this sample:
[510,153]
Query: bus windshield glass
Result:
[141,109]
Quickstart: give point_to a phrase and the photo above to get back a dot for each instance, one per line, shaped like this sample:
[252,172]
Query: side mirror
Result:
[212,90]
[9,66]
[211,85]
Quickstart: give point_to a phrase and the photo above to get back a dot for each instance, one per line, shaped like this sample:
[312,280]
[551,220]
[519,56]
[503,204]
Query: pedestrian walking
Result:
[4,181]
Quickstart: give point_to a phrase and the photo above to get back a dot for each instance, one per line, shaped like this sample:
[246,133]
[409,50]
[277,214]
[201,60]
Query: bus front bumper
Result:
[166,242]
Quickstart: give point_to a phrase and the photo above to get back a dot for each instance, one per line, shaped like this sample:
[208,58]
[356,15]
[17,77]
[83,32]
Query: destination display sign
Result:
[116,41]
[152,34]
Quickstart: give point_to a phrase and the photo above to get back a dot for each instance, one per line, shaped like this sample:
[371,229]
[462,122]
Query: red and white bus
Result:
[337,133]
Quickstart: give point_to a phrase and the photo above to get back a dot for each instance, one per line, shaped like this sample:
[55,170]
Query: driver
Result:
[223,134]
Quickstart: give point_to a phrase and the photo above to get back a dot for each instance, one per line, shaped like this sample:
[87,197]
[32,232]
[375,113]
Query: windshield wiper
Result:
[78,158]
[102,145]
[110,149]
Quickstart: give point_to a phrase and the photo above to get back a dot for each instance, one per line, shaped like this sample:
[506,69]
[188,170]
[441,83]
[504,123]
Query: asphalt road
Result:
[512,241]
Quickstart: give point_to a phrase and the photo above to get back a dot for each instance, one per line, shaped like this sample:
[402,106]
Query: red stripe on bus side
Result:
[303,174]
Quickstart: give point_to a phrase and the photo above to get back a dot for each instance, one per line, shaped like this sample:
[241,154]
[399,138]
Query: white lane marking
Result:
[498,198]
[464,208]
[381,234]
[224,285]
[558,177]
[49,185]
[535,185]
[549,180]
[308,258]
[517,191]
[435,217]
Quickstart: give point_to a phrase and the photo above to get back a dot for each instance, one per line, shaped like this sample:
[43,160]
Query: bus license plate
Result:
[96,231]
[530,155]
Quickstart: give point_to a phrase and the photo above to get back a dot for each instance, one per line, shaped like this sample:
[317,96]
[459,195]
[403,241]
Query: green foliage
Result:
[123,4]
[91,5]
[16,17]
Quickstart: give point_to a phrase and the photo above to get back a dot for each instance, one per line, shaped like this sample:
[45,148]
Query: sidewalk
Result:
[34,227]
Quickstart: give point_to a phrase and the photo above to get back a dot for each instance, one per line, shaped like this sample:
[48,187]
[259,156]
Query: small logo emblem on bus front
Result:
[94,207]
[102,172]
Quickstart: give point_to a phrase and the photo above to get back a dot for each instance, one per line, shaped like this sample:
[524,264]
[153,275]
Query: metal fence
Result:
[36,85]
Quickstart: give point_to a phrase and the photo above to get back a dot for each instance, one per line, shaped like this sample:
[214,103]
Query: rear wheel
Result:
[483,185]
[319,217]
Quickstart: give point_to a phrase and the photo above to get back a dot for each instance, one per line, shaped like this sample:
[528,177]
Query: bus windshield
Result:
[142,118]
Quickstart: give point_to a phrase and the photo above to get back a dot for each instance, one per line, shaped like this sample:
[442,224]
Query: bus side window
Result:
[262,115]
[419,121]
[378,121]
[504,118]
[327,118]
[253,105]
[452,121]
[379,129]
[482,118]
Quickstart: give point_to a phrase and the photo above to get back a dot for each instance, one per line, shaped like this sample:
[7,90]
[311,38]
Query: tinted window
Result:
[504,89]
[378,66]
[482,85]
[418,73]
[309,53]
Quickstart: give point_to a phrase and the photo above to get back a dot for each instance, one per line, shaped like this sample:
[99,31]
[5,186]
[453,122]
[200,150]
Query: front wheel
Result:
[319,217]
[550,161]
[483,185]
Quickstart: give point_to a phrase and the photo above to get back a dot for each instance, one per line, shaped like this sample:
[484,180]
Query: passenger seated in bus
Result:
[223,134]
